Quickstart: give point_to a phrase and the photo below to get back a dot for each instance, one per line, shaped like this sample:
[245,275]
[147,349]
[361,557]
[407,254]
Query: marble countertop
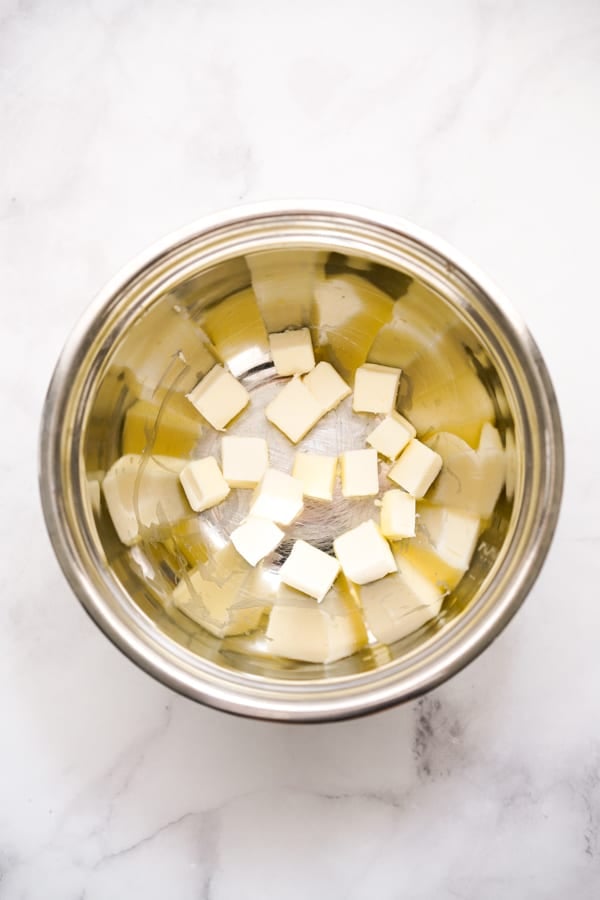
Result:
[124,120]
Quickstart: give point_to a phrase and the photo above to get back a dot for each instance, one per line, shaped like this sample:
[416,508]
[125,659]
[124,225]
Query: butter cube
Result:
[327,387]
[244,459]
[392,435]
[294,410]
[375,388]
[317,474]
[416,469]
[364,554]
[143,491]
[203,483]
[292,352]
[398,515]
[219,397]
[256,538]
[309,570]
[278,497]
[453,533]
[360,476]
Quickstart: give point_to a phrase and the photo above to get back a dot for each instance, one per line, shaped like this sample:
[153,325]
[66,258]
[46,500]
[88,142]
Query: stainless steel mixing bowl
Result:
[139,336]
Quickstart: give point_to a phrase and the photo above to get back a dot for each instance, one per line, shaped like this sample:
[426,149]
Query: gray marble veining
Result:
[124,120]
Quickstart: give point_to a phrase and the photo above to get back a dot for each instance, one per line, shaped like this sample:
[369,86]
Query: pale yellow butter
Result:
[294,410]
[309,570]
[203,483]
[278,498]
[244,460]
[375,388]
[292,352]
[317,474]
[416,469]
[219,397]
[398,515]
[256,538]
[392,435]
[360,475]
[364,554]
[327,386]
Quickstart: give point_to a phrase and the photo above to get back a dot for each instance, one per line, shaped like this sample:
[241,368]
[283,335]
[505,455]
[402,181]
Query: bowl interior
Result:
[223,311]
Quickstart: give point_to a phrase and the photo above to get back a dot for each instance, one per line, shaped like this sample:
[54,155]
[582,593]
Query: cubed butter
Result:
[142,491]
[392,435]
[327,387]
[309,570]
[278,497]
[244,459]
[256,538]
[294,410]
[398,515]
[453,533]
[317,474]
[219,397]
[203,483]
[416,469]
[375,388]
[292,352]
[364,554]
[360,475]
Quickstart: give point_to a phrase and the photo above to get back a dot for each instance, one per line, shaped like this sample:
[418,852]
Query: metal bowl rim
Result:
[383,691]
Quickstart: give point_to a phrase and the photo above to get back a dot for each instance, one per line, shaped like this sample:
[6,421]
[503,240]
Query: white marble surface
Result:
[123,120]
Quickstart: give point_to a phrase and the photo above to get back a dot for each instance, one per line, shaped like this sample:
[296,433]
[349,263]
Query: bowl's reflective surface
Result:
[463,360]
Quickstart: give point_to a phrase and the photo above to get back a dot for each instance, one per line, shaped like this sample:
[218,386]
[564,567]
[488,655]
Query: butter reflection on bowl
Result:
[170,590]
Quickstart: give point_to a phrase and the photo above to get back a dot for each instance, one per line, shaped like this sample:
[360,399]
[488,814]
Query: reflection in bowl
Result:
[169,587]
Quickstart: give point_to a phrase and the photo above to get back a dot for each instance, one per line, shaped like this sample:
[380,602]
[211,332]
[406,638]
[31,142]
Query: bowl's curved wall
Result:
[143,336]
